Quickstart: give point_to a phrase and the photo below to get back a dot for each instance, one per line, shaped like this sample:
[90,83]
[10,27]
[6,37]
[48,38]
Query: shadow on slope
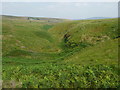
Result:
[45,35]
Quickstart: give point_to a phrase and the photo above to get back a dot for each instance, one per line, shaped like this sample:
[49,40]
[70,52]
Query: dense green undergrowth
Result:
[51,75]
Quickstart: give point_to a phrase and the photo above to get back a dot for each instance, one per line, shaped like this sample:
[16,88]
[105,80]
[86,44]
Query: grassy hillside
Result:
[66,54]
[23,35]
[88,31]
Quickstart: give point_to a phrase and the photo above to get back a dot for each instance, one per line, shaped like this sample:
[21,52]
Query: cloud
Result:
[60,0]
[73,10]
[78,4]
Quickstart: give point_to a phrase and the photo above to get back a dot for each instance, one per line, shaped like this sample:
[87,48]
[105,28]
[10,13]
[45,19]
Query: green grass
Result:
[46,27]
[25,35]
[51,75]
[103,53]
[70,54]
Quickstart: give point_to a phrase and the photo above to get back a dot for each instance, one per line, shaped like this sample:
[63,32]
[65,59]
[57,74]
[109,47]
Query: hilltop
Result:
[40,19]
[99,18]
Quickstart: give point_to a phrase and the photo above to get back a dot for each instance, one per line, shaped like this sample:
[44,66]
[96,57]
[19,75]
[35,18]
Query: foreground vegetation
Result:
[60,54]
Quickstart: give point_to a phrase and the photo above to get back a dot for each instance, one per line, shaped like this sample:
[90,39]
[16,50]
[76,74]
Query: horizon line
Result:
[56,17]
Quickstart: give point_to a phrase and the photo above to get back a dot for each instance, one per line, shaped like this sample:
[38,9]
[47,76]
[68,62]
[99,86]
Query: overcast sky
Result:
[68,10]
